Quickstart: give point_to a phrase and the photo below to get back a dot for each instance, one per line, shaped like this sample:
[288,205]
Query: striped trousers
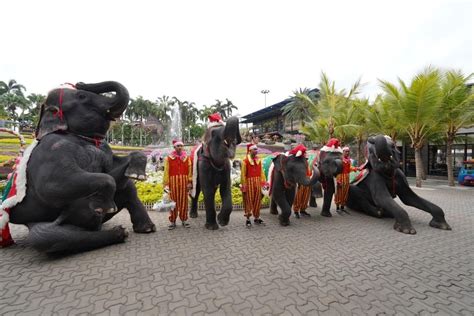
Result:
[179,193]
[253,197]
[342,192]
[301,198]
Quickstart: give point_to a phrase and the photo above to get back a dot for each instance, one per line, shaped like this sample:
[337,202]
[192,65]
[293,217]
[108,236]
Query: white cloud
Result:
[204,50]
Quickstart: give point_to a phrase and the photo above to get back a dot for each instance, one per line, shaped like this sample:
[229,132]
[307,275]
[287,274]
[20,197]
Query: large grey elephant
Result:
[213,171]
[287,171]
[384,181]
[74,182]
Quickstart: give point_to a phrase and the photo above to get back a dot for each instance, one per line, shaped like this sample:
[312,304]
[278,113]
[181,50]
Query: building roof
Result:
[269,111]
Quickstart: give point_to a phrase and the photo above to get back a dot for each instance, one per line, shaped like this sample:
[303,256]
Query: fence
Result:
[237,207]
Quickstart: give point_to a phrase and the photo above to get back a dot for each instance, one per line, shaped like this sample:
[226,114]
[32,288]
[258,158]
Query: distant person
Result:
[342,180]
[252,181]
[177,180]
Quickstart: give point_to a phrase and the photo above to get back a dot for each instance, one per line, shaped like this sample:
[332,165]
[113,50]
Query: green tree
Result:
[299,108]
[418,108]
[12,87]
[457,108]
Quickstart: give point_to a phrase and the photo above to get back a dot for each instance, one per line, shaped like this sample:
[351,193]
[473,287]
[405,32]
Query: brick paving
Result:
[351,264]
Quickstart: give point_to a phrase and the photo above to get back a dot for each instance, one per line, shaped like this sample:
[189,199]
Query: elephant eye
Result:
[82,96]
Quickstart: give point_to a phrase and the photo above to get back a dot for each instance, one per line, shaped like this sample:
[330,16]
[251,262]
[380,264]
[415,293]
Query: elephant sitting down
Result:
[384,181]
[74,182]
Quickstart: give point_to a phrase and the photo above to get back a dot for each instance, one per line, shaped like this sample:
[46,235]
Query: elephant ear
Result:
[50,121]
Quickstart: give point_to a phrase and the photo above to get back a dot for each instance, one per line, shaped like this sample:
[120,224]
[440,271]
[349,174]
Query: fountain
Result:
[175,126]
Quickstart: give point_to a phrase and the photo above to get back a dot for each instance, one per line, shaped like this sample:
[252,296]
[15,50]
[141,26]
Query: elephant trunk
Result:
[310,182]
[382,150]
[114,105]
[231,131]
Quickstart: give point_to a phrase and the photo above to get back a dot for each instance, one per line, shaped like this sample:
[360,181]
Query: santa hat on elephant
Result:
[299,150]
[215,119]
[251,146]
[333,145]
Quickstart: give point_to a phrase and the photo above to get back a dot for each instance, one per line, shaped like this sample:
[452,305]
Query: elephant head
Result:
[221,141]
[382,154]
[294,170]
[330,163]
[82,109]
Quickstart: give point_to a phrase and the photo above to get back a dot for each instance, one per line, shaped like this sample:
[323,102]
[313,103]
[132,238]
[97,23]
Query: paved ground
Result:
[350,264]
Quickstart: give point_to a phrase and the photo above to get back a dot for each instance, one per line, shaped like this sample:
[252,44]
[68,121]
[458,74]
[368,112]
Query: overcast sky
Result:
[205,50]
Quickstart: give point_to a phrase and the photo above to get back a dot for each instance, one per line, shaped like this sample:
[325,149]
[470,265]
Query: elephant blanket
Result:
[14,193]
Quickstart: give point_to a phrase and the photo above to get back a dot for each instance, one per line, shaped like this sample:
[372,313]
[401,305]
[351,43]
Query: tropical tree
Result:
[229,108]
[418,106]
[205,112]
[457,107]
[35,106]
[299,108]
[10,102]
[12,87]
[383,118]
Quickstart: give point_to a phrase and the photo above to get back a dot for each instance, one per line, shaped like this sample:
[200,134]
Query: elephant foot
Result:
[274,211]
[284,221]
[223,220]
[144,228]
[120,232]
[102,205]
[326,213]
[136,167]
[406,229]
[193,214]
[313,204]
[211,226]
[441,224]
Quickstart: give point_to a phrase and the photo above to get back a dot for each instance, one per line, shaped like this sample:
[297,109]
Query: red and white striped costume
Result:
[343,183]
[252,180]
[303,193]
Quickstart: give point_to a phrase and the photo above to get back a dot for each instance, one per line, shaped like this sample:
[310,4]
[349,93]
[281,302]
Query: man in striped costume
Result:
[252,181]
[342,180]
[303,193]
[177,180]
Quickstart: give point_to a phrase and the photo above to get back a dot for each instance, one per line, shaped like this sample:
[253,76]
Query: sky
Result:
[205,50]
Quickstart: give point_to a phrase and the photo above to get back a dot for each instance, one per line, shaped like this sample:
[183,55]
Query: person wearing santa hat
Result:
[252,181]
[177,180]
[215,120]
[342,181]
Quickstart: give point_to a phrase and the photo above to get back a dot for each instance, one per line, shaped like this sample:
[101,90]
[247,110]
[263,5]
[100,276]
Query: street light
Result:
[265,92]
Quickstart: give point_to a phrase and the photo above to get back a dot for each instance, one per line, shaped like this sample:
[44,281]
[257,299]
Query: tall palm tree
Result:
[298,109]
[382,118]
[12,87]
[457,107]
[229,107]
[418,107]
[205,112]
[10,102]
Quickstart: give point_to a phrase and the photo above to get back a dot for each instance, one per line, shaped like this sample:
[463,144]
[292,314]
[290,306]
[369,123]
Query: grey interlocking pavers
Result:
[350,264]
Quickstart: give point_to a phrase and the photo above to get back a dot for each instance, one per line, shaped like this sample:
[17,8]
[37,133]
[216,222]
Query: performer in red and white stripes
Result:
[177,180]
[342,180]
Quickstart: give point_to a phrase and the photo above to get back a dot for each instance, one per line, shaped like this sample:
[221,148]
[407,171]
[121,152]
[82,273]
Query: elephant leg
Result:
[209,203]
[226,197]
[312,202]
[285,207]
[273,206]
[408,197]
[132,166]
[383,199]
[359,202]
[54,238]
[193,213]
[128,198]
[327,197]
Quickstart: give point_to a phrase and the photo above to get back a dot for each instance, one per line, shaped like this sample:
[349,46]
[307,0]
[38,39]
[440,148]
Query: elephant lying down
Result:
[74,182]
[384,181]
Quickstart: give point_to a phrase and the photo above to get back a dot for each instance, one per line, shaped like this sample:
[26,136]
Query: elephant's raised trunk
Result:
[231,131]
[116,104]
[310,182]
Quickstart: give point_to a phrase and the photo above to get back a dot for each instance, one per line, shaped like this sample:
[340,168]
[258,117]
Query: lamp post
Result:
[265,92]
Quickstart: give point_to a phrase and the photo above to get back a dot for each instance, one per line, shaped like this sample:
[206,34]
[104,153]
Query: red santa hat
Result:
[215,119]
[177,142]
[299,150]
[333,145]
[250,147]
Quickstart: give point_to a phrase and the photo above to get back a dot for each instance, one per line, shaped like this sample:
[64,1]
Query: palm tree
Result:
[418,107]
[10,102]
[12,87]
[35,100]
[298,109]
[382,118]
[229,107]
[205,112]
[457,106]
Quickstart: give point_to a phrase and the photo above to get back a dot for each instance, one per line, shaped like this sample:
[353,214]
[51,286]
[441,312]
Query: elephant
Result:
[211,169]
[383,181]
[74,182]
[288,171]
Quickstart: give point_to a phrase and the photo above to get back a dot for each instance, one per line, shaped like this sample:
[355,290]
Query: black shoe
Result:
[186,225]
[297,214]
[258,221]
[172,226]
[337,207]
[248,223]
[304,213]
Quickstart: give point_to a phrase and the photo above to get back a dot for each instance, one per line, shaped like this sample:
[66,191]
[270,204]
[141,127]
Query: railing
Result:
[237,207]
